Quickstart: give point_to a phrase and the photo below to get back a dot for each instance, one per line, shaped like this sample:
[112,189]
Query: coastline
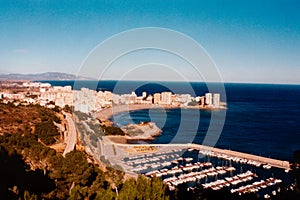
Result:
[116,139]
[105,114]
[129,141]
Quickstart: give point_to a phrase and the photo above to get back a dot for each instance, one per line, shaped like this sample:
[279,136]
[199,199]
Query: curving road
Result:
[71,139]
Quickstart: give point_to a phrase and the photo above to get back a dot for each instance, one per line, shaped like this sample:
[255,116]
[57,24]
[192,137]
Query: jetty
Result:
[225,153]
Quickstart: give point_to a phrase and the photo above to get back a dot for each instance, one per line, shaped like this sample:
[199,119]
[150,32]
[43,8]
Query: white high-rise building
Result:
[216,100]
[85,100]
[166,98]
[208,98]
[156,98]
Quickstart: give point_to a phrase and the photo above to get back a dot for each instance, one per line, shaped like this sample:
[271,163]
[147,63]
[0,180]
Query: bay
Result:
[262,119]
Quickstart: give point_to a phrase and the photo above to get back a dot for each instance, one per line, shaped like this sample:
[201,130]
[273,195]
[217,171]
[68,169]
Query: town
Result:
[86,100]
[177,165]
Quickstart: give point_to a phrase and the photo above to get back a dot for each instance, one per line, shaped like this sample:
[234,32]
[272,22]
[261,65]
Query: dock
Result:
[270,161]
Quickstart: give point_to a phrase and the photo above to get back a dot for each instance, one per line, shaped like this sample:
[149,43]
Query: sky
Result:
[249,41]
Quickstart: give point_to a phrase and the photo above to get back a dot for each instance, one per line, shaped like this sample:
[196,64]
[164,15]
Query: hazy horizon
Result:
[146,80]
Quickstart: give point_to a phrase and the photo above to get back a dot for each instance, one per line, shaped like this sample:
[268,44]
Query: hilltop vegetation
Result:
[19,119]
[31,170]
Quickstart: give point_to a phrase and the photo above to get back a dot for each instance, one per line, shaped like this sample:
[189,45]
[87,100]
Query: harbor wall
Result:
[264,160]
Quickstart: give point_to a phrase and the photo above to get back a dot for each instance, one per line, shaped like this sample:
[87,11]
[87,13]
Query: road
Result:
[100,147]
[71,139]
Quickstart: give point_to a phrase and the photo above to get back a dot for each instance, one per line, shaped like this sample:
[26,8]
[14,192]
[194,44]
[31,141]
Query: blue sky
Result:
[250,41]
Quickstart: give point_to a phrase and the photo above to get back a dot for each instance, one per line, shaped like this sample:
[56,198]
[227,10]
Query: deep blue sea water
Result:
[263,119]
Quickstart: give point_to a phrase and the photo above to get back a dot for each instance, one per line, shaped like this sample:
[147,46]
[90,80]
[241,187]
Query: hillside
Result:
[42,76]
[30,169]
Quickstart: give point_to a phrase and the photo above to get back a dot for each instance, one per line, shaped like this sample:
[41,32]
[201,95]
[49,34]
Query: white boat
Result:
[267,166]
[230,169]
[189,159]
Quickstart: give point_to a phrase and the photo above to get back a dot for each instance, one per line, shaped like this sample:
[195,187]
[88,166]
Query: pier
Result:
[260,159]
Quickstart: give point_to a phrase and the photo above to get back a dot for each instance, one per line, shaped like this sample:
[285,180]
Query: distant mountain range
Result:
[42,76]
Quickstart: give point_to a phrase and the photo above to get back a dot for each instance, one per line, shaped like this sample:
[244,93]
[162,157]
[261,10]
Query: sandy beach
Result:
[116,139]
[105,114]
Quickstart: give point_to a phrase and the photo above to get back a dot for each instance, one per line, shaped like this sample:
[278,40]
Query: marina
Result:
[213,170]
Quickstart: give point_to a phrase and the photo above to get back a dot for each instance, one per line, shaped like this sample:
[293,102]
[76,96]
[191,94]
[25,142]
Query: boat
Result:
[189,159]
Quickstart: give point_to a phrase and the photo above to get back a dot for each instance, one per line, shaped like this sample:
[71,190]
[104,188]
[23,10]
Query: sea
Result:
[261,119]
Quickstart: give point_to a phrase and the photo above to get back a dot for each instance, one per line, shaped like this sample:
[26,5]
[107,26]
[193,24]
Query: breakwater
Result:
[260,159]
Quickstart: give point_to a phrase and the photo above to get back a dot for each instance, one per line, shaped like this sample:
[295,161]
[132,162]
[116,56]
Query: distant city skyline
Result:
[250,41]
